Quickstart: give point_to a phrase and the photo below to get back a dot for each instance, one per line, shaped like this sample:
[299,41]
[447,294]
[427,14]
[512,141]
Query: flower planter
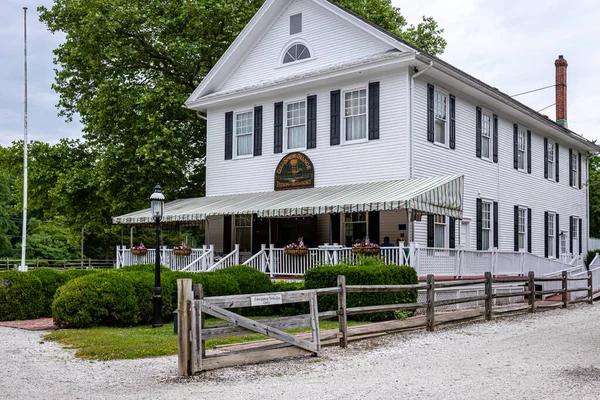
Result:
[295,252]
[371,251]
[139,252]
[182,252]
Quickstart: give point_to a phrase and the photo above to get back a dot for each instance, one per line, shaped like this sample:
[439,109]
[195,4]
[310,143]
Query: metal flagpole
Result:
[24,239]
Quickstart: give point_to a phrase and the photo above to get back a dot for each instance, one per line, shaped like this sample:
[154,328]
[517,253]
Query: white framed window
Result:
[244,133]
[574,169]
[486,225]
[440,113]
[551,160]
[439,231]
[296,52]
[522,149]
[486,135]
[522,229]
[355,227]
[296,125]
[551,235]
[575,234]
[243,231]
[355,115]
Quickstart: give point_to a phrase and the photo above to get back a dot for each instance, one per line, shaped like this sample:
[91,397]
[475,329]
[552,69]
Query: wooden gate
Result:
[192,308]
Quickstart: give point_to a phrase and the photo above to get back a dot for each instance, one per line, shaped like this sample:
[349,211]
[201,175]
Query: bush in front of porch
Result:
[370,271]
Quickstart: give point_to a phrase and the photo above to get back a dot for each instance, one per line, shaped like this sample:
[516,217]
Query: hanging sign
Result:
[294,171]
[266,300]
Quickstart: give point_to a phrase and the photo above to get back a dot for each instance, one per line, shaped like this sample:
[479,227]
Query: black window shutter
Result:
[278,128]
[336,118]
[528,152]
[495,144]
[479,225]
[452,122]
[258,126]
[557,237]
[430,111]
[335,228]
[373,110]
[580,238]
[229,135]
[571,234]
[496,231]
[516,220]
[570,167]
[546,234]
[546,158]
[227,227]
[556,163]
[430,230]
[452,232]
[374,226]
[311,122]
[579,169]
[478,132]
[529,230]
[516,146]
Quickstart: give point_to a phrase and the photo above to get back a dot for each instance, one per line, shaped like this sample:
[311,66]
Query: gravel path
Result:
[548,355]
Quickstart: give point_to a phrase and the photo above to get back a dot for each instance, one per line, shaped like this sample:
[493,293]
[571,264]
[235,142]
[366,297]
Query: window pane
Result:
[440,131]
[296,138]
[355,113]
[485,239]
[355,227]
[296,125]
[243,231]
[485,147]
[438,237]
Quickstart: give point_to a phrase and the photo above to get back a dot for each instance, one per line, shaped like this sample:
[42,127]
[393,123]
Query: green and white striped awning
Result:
[435,195]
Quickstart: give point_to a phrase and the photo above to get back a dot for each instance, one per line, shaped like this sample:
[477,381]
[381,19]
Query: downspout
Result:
[411,129]
[409,223]
[587,209]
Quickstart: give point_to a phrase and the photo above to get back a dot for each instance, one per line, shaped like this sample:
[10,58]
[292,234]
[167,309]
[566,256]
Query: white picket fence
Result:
[435,261]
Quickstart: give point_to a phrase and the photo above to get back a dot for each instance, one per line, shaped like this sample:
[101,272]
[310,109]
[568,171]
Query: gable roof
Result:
[272,9]
[260,24]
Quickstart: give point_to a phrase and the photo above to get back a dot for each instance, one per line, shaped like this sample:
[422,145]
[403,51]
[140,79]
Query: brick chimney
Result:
[561,90]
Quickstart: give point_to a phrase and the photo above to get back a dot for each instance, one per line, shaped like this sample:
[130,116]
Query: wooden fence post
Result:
[488,296]
[184,292]
[531,289]
[199,295]
[565,285]
[590,288]
[342,317]
[314,322]
[430,302]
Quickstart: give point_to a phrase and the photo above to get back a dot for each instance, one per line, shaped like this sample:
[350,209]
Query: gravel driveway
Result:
[547,355]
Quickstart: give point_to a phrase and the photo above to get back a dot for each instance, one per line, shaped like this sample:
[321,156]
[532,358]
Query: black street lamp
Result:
[157,201]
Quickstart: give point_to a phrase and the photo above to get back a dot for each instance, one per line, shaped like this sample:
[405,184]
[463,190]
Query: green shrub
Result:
[283,286]
[249,279]
[591,254]
[51,280]
[76,273]
[374,273]
[144,268]
[101,299]
[20,296]
[143,289]
[293,308]
[213,284]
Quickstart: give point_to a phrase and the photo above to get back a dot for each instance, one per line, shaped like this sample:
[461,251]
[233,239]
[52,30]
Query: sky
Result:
[509,44]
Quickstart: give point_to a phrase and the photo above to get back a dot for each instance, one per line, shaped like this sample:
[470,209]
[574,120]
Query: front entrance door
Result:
[465,235]
[291,230]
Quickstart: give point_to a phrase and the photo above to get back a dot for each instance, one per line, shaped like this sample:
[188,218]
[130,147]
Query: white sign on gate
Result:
[265,300]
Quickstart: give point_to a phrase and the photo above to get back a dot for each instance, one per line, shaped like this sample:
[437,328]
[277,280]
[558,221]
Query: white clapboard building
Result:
[323,126]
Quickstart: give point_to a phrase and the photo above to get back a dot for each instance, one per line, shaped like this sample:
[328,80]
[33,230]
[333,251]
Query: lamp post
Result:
[157,201]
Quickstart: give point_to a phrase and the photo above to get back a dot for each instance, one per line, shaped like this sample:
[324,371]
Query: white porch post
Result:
[271,260]
[263,249]
[414,256]
[118,258]
[211,255]
[237,255]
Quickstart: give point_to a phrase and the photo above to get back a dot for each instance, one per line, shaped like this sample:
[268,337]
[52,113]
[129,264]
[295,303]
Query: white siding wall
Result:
[341,42]
[375,160]
[498,182]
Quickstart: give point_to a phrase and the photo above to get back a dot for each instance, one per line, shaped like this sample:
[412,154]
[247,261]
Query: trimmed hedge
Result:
[107,298]
[372,274]
[51,280]
[20,296]
[249,279]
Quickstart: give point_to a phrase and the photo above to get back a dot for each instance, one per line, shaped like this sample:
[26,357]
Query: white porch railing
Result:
[229,260]
[200,257]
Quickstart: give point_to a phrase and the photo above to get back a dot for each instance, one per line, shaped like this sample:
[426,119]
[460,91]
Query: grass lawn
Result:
[144,341]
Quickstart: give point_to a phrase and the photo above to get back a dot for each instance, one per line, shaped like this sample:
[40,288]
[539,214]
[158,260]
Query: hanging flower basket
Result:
[139,252]
[295,252]
[368,250]
[182,252]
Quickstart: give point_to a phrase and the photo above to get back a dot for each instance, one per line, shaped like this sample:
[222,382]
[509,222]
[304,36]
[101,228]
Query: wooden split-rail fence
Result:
[193,307]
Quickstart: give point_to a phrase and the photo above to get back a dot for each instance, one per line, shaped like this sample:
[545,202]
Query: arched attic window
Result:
[296,52]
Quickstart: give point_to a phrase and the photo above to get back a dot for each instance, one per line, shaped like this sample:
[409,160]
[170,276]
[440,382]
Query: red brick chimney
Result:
[561,90]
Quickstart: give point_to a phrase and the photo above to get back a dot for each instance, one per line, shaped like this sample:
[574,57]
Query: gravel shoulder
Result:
[547,355]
